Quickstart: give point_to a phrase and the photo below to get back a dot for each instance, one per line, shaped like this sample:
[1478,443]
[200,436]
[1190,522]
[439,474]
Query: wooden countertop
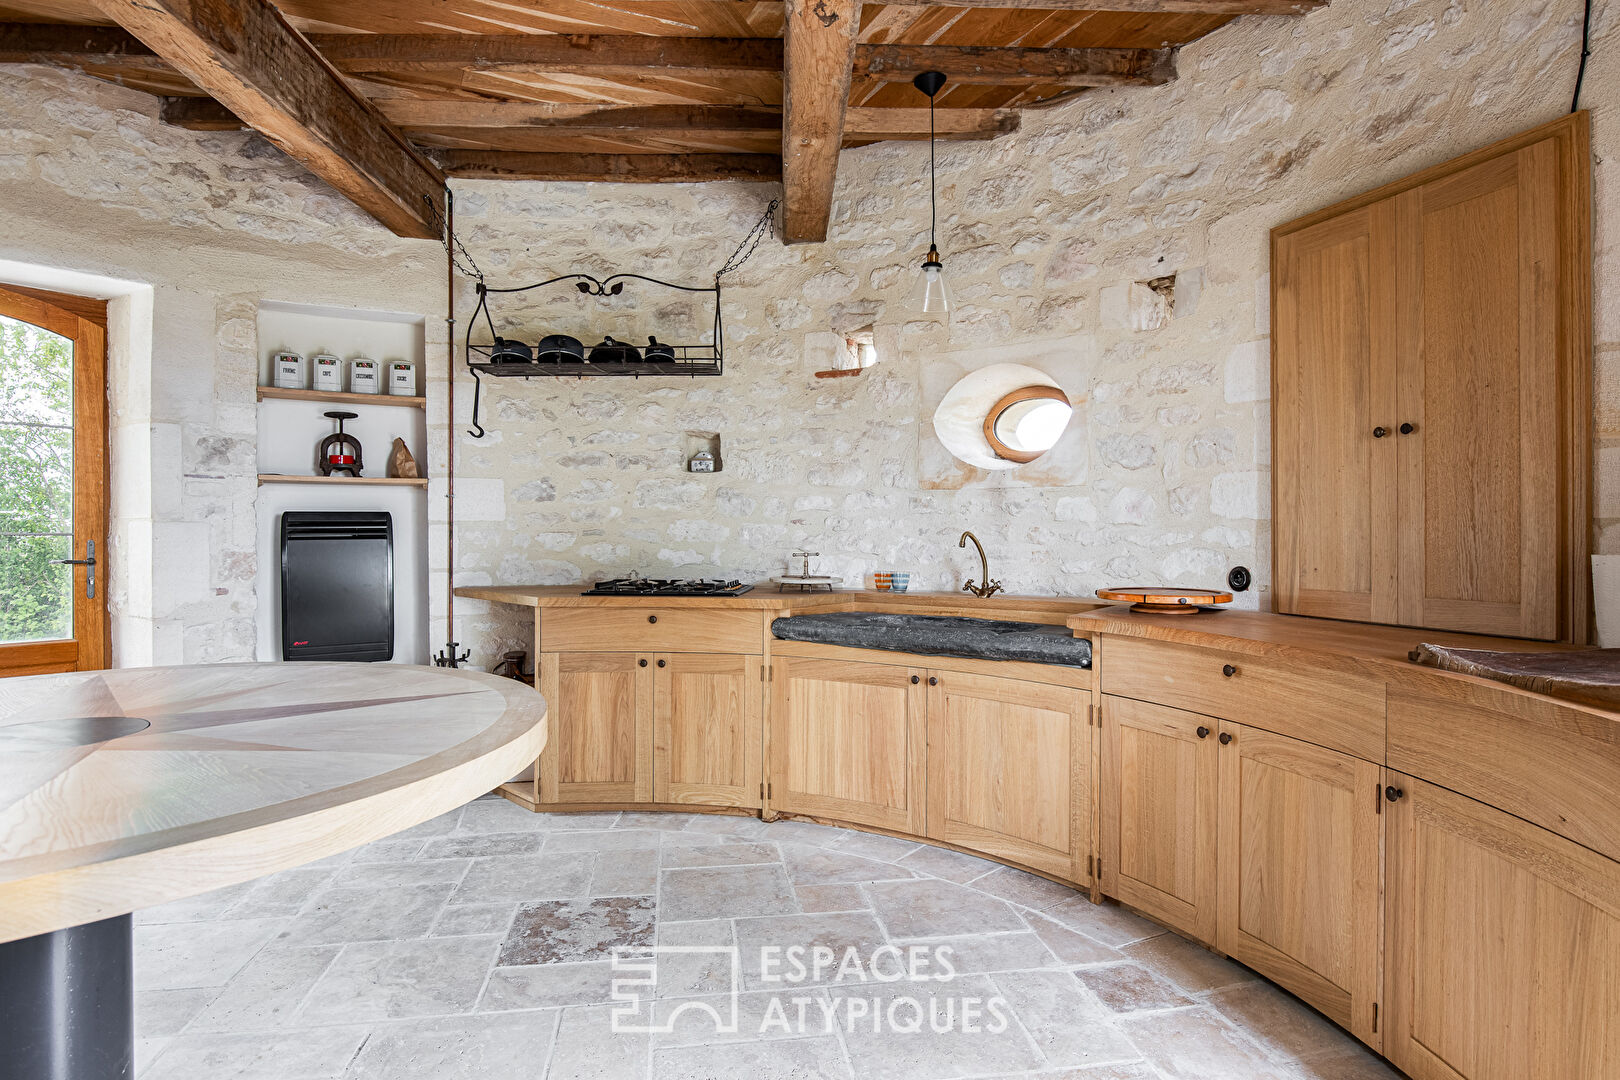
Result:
[128,788]
[1261,633]
[1055,611]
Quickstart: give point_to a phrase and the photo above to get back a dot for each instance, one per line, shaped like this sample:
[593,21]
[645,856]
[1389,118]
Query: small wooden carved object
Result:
[400,461]
[339,451]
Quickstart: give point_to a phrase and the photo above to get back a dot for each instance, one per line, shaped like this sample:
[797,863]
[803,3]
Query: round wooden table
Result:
[128,788]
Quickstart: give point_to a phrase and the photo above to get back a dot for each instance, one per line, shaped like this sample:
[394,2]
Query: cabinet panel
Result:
[1477,283]
[1340,710]
[1008,765]
[848,741]
[1159,812]
[708,733]
[600,745]
[1503,946]
[1334,417]
[601,629]
[1299,870]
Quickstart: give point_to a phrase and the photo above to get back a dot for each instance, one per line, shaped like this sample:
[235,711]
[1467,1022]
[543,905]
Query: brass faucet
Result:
[989,588]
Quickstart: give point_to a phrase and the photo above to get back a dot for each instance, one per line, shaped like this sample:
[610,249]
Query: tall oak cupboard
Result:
[1431,386]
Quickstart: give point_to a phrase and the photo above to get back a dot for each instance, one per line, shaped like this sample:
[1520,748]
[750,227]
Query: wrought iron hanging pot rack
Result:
[657,359]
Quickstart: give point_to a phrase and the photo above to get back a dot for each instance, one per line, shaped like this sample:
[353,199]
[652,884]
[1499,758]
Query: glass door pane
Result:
[36,483]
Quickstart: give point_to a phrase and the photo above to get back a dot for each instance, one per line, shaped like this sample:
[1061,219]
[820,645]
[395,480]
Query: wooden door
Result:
[1503,945]
[848,742]
[600,745]
[1477,287]
[53,483]
[1334,416]
[1299,870]
[1159,812]
[1008,770]
[708,729]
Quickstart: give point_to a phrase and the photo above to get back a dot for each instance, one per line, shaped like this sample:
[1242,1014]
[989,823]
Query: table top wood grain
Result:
[128,788]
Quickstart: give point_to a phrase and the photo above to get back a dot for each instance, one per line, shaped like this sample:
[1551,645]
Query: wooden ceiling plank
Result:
[394,53]
[817,57]
[621,168]
[247,57]
[1019,67]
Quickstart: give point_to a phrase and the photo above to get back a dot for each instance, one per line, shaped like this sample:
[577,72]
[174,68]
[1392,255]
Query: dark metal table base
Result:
[67,1004]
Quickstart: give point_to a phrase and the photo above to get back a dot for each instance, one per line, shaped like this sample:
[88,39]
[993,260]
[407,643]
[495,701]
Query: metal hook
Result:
[477,429]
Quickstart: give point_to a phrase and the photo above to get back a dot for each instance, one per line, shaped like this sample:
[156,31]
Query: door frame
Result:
[84,321]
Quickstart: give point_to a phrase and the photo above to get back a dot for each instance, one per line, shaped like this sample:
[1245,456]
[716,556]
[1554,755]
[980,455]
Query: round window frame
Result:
[1023,393]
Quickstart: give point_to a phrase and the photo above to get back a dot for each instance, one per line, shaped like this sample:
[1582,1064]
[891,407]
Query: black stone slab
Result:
[940,635]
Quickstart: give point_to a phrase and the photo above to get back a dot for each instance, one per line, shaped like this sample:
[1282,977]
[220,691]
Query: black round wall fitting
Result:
[1239,579]
[929,82]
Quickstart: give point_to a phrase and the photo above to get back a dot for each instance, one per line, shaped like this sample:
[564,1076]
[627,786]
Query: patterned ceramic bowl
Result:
[899,579]
[882,580]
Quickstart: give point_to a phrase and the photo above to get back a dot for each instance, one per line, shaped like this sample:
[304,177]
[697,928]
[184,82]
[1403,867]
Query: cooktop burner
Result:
[667,587]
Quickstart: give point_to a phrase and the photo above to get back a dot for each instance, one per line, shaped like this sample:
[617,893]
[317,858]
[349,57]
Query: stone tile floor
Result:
[479,944]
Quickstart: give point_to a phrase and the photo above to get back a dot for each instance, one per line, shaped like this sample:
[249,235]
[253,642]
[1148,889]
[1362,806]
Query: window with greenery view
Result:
[36,482]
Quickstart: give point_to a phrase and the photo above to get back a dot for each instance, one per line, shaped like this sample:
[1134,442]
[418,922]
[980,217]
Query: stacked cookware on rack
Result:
[564,349]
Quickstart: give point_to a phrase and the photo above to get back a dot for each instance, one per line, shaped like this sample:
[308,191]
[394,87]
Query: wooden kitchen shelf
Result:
[335,397]
[392,481]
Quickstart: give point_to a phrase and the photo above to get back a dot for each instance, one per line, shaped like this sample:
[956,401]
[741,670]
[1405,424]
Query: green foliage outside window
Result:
[36,482]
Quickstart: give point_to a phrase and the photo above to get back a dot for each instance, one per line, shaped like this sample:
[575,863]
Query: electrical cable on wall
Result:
[1586,51]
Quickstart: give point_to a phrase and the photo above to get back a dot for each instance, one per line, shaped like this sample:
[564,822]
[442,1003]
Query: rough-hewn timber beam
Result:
[587,119]
[1019,67]
[360,54]
[1175,7]
[818,53]
[247,57]
[622,168]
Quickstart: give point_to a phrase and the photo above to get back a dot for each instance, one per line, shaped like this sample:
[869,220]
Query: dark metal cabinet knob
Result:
[1380,432]
[932,681]
[1203,732]
[1228,670]
[661,663]
[1407,429]
[915,679]
[641,663]
[652,618]
[1226,737]
[1393,793]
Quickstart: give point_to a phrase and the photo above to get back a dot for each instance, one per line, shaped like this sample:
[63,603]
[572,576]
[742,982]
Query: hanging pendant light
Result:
[930,293]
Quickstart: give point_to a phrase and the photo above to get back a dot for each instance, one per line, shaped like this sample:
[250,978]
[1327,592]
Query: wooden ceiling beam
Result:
[246,56]
[361,54]
[818,56]
[1145,7]
[619,168]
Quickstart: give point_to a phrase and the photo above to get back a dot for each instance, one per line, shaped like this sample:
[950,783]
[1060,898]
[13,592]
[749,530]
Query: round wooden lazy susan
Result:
[1157,601]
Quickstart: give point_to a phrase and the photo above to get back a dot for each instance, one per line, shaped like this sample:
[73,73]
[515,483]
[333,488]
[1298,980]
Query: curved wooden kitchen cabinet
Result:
[1431,860]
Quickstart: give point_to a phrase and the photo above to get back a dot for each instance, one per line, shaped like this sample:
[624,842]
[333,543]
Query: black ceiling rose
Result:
[929,82]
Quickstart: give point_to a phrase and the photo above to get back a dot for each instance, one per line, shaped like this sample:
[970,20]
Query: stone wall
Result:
[1044,233]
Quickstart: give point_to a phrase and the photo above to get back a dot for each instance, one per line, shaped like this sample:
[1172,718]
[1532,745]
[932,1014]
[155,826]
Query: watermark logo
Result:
[804,990]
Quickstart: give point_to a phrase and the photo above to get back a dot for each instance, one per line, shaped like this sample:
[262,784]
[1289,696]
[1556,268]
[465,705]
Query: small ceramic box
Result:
[289,371]
[402,378]
[328,372]
[365,376]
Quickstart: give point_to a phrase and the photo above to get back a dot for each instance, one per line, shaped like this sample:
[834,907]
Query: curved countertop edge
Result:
[100,882]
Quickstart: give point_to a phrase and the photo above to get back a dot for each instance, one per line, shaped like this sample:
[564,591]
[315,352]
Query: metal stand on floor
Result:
[67,1004]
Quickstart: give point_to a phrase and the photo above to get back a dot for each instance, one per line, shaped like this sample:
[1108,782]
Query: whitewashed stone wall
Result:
[1043,232]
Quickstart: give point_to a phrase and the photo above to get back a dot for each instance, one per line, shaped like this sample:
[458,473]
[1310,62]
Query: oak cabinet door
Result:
[1477,283]
[1299,870]
[1335,417]
[1503,945]
[848,742]
[1159,812]
[1008,770]
[600,745]
[708,734]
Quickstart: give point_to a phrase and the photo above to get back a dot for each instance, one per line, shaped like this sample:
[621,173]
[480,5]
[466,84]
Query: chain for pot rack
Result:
[501,358]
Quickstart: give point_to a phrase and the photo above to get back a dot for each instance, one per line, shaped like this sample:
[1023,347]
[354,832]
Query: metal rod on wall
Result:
[449,657]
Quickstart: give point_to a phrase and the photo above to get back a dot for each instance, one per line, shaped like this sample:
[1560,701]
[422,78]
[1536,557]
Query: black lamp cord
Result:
[933,206]
[1586,51]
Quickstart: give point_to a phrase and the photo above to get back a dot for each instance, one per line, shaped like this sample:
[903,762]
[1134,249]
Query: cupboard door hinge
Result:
[1378,798]
[1091,867]
[762,789]
[1375,1018]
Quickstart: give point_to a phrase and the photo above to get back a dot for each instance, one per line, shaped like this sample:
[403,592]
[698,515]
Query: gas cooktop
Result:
[667,587]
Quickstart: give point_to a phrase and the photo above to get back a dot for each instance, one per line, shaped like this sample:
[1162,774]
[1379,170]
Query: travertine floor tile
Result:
[378,980]
[1192,967]
[809,865]
[587,1048]
[601,839]
[165,1012]
[176,956]
[725,891]
[462,920]
[526,877]
[457,1048]
[979,953]
[718,854]
[1106,922]
[1280,1023]
[292,1055]
[876,846]
[838,932]
[1128,988]
[778,1059]
[1065,1023]
[1196,1044]
[472,847]
[831,897]
[575,931]
[947,864]
[541,986]
[336,915]
[633,872]
[1070,946]
[933,908]
[991,1041]
[1026,889]
[389,876]
[265,994]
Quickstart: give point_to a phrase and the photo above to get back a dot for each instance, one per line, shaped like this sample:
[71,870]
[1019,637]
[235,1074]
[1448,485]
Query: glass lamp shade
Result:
[931,293]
